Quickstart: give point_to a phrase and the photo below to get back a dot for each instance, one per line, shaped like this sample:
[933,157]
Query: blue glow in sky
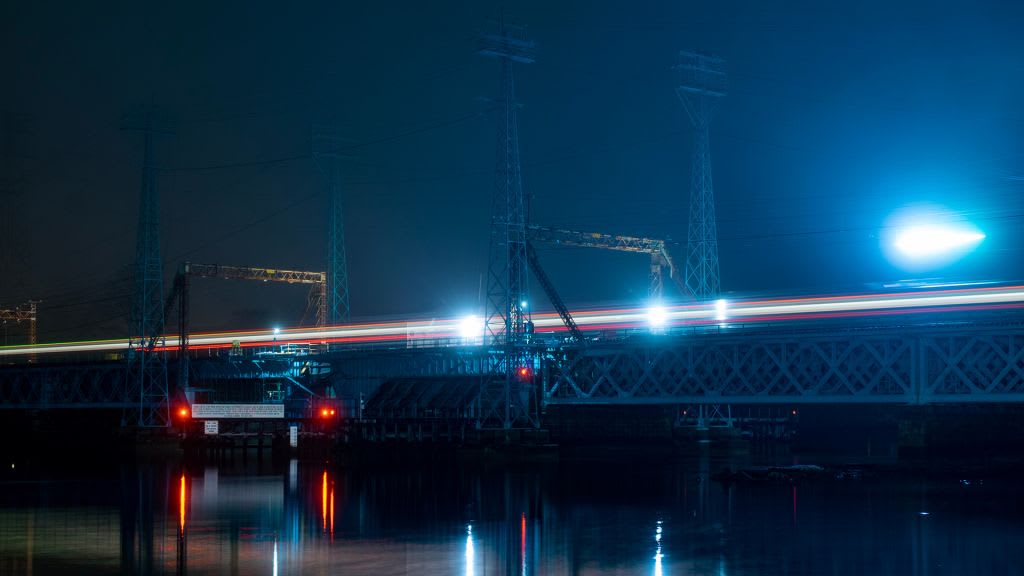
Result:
[924,237]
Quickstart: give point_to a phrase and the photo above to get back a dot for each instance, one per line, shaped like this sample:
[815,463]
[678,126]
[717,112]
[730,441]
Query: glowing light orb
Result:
[927,237]
[721,310]
[935,240]
[471,327]
[657,316]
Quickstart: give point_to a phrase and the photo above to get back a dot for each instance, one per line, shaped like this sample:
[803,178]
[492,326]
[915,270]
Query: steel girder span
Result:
[40,387]
[356,374]
[350,373]
[953,364]
[910,366]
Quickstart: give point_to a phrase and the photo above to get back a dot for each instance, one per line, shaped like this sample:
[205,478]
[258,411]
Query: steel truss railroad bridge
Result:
[938,363]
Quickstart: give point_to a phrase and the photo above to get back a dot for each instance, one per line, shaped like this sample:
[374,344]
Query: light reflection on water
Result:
[470,556]
[658,571]
[306,518]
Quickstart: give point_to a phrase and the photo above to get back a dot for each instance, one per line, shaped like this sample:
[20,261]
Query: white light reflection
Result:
[470,555]
[275,557]
[293,475]
[658,570]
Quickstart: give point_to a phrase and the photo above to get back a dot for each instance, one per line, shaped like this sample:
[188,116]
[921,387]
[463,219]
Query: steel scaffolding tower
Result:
[329,150]
[147,368]
[702,83]
[507,402]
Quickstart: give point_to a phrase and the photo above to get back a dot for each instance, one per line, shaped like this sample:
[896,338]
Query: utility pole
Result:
[702,84]
[329,150]
[508,324]
[147,392]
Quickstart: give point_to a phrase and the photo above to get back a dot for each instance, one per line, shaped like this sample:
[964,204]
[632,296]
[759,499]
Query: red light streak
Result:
[323,492]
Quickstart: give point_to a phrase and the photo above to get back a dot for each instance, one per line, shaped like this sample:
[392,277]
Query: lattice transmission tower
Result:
[702,84]
[506,400]
[329,151]
[146,389]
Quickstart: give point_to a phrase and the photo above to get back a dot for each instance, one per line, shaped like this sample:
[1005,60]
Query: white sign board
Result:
[293,436]
[247,411]
[211,427]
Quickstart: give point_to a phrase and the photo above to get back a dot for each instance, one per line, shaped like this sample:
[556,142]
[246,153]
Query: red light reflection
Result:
[181,504]
[522,541]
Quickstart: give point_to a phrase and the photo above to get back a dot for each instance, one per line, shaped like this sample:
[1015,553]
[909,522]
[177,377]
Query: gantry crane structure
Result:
[180,296]
[27,313]
[661,258]
[317,280]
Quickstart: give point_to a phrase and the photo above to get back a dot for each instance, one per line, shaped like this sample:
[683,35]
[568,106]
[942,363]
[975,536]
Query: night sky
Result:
[838,115]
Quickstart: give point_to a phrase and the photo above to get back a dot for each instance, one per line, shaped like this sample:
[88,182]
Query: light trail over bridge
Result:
[469,331]
[952,347]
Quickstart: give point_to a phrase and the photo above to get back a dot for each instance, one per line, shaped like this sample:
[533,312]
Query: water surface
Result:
[657,517]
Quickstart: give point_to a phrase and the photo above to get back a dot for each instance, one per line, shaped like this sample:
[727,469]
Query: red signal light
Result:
[524,372]
[323,412]
[183,412]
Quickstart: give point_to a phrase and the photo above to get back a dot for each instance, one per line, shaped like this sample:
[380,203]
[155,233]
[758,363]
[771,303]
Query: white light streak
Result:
[471,329]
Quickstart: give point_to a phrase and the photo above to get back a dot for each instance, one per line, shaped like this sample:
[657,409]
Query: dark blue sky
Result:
[838,115]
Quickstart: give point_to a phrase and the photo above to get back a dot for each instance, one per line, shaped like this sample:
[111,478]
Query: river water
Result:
[659,516]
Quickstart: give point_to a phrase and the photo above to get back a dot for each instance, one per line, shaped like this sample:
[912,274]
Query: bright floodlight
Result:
[721,310]
[471,327]
[924,241]
[523,304]
[657,316]
[276,331]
